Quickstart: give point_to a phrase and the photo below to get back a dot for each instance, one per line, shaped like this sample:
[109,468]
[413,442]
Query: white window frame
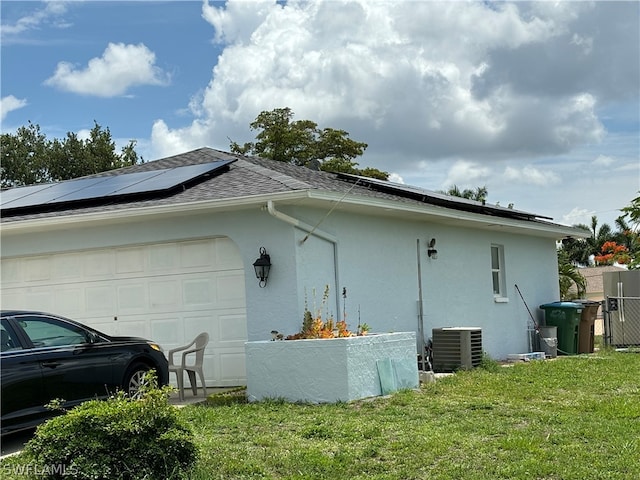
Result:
[498,280]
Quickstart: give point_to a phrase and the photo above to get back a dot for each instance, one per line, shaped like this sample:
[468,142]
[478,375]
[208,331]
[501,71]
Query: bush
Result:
[120,438]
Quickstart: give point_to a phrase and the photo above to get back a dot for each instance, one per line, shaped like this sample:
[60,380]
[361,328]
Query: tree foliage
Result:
[301,142]
[28,157]
[568,276]
[606,245]
[479,194]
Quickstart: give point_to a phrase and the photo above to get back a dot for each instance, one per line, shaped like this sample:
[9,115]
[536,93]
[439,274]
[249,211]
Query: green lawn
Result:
[570,418]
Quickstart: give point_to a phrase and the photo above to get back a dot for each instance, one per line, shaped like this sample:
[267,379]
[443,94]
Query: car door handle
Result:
[51,364]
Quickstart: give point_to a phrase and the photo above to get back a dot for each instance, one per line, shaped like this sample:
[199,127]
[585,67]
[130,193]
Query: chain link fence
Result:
[622,321]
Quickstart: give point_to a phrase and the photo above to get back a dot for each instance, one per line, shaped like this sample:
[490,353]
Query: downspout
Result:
[270,207]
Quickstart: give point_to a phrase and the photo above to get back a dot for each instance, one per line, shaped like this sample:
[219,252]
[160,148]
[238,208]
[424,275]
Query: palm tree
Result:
[479,194]
[580,250]
[568,276]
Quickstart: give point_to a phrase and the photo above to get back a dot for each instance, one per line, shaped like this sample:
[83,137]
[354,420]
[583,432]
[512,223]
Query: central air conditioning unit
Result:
[456,348]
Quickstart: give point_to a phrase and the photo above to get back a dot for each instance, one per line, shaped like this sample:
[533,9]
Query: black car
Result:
[45,357]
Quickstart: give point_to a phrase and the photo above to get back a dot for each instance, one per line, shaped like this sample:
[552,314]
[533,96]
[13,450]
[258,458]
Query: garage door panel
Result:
[132,297]
[70,301]
[98,264]
[232,368]
[230,288]
[165,295]
[68,267]
[232,328]
[130,260]
[134,328]
[101,300]
[163,258]
[10,272]
[166,292]
[198,292]
[37,269]
[197,254]
[41,298]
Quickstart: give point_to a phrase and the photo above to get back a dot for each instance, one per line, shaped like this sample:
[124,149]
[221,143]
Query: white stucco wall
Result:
[377,263]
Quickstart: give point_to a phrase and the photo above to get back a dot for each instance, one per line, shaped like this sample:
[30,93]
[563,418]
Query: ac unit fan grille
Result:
[456,348]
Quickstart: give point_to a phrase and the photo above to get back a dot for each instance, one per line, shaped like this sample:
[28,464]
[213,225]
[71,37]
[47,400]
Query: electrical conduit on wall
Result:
[271,209]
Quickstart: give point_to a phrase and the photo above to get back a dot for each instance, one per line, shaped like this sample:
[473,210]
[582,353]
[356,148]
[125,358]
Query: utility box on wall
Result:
[456,348]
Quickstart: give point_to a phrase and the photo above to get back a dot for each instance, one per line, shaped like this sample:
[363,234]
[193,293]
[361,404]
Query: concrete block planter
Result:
[331,370]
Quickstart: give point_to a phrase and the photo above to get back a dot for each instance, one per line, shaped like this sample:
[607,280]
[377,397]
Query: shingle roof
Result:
[252,176]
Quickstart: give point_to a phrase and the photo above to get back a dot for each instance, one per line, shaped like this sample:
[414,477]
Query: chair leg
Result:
[192,379]
[180,379]
[204,385]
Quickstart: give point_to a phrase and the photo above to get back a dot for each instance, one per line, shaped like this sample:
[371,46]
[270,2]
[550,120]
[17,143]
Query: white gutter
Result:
[270,207]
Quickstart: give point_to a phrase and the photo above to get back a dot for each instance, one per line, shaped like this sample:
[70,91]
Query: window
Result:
[50,332]
[8,339]
[497,273]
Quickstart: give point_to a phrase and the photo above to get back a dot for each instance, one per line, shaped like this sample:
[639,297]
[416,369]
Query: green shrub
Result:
[120,438]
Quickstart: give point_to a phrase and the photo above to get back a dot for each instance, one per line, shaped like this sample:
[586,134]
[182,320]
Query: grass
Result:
[571,418]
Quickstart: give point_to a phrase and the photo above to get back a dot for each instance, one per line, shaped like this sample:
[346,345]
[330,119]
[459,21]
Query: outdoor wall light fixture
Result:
[262,266]
[431,249]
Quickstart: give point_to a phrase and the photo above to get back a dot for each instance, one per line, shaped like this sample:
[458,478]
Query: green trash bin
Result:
[566,316]
[587,325]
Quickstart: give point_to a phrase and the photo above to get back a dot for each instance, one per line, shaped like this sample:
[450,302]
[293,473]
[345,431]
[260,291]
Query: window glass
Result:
[495,258]
[48,332]
[497,271]
[496,283]
[8,339]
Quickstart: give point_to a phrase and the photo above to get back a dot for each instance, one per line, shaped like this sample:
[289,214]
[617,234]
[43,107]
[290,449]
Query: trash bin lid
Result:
[554,305]
[585,302]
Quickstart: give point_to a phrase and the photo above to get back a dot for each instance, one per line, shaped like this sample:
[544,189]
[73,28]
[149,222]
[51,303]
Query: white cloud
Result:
[603,161]
[578,216]
[10,103]
[530,175]
[120,68]
[438,78]
[51,14]
[394,177]
[466,174]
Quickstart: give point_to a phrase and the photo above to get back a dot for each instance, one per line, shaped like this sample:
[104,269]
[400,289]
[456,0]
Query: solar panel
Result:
[429,196]
[13,194]
[53,193]
[107,188]
[109,185]
[171,177]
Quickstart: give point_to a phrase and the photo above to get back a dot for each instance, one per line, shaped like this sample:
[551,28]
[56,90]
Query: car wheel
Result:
[134,379]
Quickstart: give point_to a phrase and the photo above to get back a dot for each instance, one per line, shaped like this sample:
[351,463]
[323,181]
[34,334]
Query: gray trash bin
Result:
[548,338]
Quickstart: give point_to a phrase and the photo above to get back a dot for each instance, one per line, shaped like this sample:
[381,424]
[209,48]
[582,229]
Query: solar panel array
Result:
[107,187]
[429,196]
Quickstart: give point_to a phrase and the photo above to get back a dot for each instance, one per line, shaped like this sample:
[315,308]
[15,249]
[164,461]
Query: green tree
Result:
[569,276]
[629,236]
[479,194]
[301,142]
[28,157]
[579,250]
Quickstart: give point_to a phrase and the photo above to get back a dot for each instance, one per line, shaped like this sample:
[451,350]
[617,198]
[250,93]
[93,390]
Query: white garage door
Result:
[167,292]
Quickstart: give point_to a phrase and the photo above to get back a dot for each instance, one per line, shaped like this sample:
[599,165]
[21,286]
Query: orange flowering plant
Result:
[612,252]
[313,326]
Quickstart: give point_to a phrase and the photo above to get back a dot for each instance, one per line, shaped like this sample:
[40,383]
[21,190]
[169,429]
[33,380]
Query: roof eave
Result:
[312,197]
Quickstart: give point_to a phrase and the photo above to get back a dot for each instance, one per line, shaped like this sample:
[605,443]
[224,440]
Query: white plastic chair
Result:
[198,344]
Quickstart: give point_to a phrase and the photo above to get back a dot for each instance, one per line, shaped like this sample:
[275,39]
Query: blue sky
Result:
[539,102]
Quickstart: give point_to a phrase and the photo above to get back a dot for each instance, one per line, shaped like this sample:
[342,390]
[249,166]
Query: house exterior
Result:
[169,264]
